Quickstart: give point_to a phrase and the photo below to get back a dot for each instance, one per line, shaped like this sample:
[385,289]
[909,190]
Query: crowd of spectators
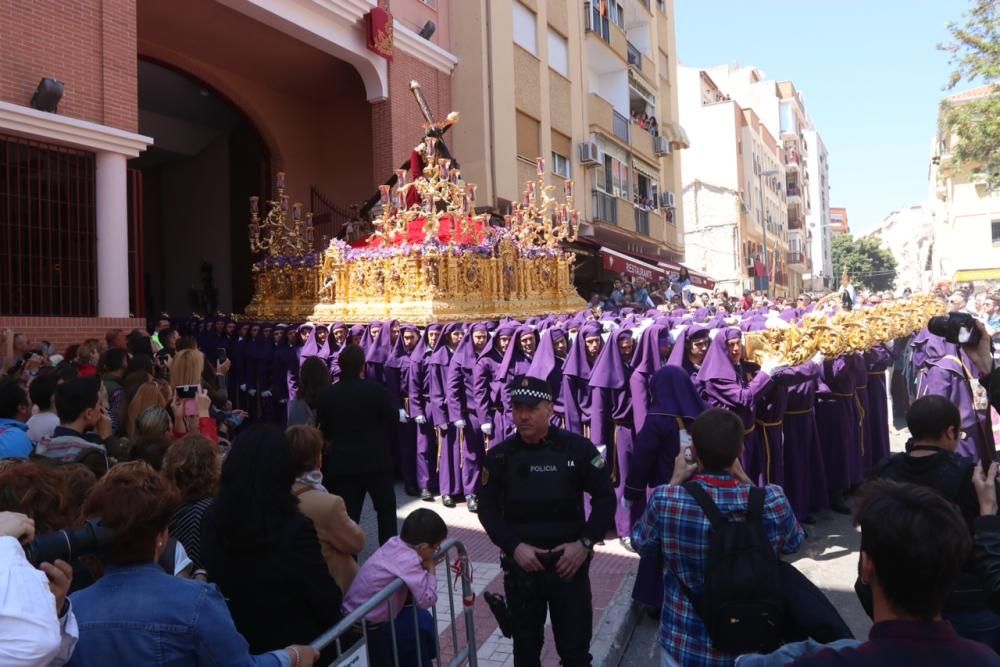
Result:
[220,546]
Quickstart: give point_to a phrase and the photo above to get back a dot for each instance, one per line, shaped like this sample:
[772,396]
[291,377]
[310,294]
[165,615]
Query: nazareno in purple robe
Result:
[418,390]
[514,363]
[576,394]
[378,351]
[725,385]
[449,462]
[805,475]
[611,422]
[461,406]
[947,371]
[879,359]
[678,356]
[396,373]
[673,400]
[487,386]
[646,361]
[547,365]
[839,424]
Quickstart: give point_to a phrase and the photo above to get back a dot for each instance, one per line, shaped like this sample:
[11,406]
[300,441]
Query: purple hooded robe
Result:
[418,388]
[547,365]
[396,370]
[449,461]
[487,386]
[575,393]
[462,406]
[725,385]
[673,400]
[648,359]
[839,423]
[515,362]
[611,422]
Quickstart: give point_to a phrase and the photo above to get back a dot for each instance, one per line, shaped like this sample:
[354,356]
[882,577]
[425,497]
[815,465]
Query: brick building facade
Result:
[162,99]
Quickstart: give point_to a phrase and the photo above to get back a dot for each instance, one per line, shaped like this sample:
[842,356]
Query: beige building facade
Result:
[909,236]
[737,210]
[591,88]
[965,213]
[781,109]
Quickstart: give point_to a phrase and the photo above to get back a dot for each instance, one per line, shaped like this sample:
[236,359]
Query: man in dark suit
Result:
[359,423]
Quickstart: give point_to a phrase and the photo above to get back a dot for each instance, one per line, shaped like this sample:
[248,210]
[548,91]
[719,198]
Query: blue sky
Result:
[869,70]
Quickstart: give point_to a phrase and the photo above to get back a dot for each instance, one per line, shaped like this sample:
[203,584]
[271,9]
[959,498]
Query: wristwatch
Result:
[587,543]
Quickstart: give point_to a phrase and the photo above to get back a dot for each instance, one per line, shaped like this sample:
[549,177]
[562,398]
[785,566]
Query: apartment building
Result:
[820,238]
[839,224]
[591,87]
[965,213]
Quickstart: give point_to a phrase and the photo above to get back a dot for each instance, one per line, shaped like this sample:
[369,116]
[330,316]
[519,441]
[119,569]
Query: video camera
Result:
[90,538]
[957,328]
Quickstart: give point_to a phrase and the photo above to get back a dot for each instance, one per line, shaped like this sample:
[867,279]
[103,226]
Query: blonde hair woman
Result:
[186,369]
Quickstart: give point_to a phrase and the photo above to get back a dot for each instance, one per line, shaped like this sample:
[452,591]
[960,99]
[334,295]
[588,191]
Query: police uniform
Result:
[534,494]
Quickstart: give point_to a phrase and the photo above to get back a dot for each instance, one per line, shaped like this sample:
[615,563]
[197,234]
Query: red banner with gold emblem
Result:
[378,32]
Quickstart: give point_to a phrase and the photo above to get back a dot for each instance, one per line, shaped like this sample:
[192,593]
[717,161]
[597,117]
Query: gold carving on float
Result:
[433,259]
[836,334]
[286,280]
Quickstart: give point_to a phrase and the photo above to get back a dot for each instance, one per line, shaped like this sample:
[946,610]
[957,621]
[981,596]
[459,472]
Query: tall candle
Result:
[284,203]
[540,166]
[401,175]
[253,205]
[297,211]
[470,191]
[568,190]
[281,180]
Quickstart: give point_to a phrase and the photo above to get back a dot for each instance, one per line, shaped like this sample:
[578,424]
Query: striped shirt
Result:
[674,523]
[185,526]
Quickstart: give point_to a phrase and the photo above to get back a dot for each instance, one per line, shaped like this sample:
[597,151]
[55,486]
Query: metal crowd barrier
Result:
[467,655]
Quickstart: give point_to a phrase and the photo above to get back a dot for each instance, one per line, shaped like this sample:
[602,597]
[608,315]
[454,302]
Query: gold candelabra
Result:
[440,191]
[278,233]
[539,220]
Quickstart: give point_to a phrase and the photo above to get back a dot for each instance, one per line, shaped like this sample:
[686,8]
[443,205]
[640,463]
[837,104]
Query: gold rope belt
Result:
[748,431]
[798,412]
[767,446]
[876,372]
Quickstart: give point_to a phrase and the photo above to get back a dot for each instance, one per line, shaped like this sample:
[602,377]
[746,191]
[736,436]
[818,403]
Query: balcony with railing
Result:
[794,193]
[793,159]
[795,222]
[642,221]
[605,119]
[797,258]
[605,208]
[605,30]
[634,56]
[620,126]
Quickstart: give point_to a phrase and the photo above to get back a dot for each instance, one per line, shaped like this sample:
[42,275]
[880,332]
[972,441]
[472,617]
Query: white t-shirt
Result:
[42,426]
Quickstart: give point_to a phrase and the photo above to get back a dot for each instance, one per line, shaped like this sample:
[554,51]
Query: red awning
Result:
[698,279]
[619,262]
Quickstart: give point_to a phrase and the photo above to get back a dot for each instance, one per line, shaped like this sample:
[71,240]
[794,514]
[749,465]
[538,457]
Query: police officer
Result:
[531,505]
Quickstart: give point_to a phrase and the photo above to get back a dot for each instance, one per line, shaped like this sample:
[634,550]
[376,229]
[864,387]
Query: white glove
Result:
[443,427]
[626,503]
[818,359]
[243,387]
[772,366]
[266,393]
[459,424]
[282,401]
[420,419]
[402,416]
[252,392]
[487,429]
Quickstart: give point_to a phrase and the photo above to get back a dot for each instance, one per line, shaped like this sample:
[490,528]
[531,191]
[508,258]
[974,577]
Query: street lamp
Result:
[763,224]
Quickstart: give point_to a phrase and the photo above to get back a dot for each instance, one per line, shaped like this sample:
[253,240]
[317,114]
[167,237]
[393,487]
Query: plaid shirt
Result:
[674,523]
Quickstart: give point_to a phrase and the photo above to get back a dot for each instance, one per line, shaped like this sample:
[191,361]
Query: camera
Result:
[187,392]
[90,538]
[957,328]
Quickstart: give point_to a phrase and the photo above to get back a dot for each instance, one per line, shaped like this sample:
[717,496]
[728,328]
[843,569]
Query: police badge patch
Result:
[597,461]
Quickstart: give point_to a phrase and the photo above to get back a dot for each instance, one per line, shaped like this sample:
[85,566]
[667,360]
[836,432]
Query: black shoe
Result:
[627,543]
[426,495]
[412,491]
[840,507]
[447,501]
[472,504]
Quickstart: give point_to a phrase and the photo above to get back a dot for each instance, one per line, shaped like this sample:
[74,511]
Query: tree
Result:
[868,263]
[975,56]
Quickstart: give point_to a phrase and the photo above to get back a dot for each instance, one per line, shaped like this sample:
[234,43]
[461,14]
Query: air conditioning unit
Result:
[744,206]
[661,146]
[589,153]
[667,200]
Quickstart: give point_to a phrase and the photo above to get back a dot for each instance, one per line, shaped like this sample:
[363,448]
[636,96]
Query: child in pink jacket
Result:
[409,557]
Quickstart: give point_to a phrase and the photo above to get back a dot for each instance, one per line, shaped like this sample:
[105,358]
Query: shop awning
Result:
[972,275]
[619,262]
[698,279]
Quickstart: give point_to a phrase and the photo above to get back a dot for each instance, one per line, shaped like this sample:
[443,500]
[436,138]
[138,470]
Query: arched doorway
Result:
[191,187]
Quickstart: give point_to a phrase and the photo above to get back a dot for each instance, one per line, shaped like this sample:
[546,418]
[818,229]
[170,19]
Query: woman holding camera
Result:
[136,614]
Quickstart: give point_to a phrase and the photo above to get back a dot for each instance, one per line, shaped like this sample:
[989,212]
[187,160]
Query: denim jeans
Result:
[790,652]
[980,625]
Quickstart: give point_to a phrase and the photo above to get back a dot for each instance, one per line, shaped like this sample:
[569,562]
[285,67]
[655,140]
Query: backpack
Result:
[742,603]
